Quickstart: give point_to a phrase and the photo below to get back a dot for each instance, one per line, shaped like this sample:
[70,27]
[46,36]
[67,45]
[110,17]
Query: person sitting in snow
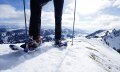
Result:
[35,21]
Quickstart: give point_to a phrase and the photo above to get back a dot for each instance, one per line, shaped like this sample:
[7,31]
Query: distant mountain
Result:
[16,33]
[96,34]
[19,36]
[112,39]
[9,26]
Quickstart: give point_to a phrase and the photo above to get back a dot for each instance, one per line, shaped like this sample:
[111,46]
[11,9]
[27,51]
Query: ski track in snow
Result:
[84,56]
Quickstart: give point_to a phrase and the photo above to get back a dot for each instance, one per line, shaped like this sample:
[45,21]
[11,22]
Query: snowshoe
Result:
[23,47]
[59,43]
[30,47]
[14,47]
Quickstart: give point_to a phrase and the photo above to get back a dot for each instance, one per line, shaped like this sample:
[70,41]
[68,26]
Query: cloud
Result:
[106,18]
[10,12]
[88,6]
[103,21]
[10,15]
[7,11]
[47,18]
[89,16]
[116,4]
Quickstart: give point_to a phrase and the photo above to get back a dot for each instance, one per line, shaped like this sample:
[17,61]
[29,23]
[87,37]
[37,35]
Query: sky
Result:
[90,14]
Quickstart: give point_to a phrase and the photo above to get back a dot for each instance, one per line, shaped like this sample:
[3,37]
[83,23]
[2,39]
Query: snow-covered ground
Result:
[112,39]
[86,55]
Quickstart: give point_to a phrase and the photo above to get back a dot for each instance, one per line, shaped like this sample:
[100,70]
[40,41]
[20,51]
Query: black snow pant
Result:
[35,18]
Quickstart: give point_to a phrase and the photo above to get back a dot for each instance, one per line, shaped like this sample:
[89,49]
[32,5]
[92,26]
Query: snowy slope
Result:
[112,39]
[86,55]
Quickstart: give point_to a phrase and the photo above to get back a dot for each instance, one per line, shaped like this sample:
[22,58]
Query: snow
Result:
[112,39]
[86,55]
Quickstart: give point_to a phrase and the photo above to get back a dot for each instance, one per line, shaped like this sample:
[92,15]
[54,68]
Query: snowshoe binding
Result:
[58,43]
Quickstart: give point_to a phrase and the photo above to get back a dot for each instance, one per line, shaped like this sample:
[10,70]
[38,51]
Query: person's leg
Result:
[58,7]
[35,24]
[35,18]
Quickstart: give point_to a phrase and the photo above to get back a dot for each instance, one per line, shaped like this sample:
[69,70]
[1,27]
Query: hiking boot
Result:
[57,42]
[37,39]
[33,43]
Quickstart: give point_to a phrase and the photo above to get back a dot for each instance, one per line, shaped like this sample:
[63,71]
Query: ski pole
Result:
[26,41]
[74,22]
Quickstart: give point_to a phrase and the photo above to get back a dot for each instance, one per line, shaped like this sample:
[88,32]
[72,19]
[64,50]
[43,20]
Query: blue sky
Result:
[91,14]
[18,4]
